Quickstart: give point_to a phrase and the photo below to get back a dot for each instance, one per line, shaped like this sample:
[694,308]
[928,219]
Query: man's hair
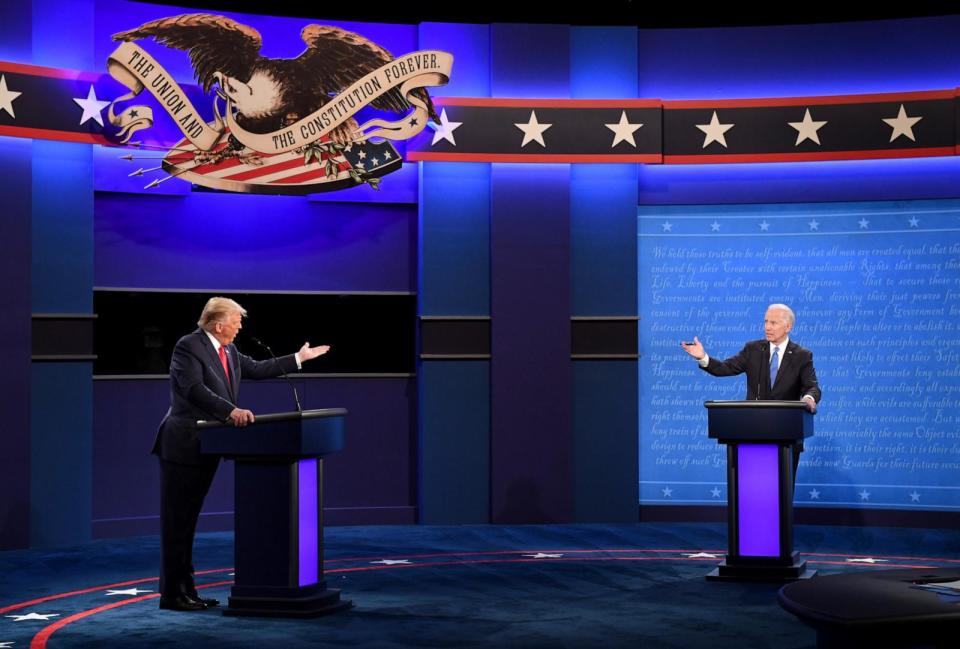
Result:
[216,310]
[783,307]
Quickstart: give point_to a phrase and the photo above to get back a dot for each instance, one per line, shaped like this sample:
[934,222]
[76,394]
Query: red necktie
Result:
[223,361]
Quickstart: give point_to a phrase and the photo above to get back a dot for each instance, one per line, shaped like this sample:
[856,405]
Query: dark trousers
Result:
[182,490]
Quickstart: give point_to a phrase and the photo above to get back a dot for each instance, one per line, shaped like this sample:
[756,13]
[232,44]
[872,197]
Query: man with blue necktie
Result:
[777,368]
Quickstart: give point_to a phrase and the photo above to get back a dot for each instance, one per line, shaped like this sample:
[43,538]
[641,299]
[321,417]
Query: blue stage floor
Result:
[466,586]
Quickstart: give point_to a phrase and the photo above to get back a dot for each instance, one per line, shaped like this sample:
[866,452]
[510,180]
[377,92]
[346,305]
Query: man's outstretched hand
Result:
[695,349]
[308,353]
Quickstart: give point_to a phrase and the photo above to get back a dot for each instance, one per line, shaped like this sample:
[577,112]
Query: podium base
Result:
[323,603]
[769,572]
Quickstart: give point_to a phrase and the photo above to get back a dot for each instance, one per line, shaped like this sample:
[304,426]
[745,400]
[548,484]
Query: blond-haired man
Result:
[205,374]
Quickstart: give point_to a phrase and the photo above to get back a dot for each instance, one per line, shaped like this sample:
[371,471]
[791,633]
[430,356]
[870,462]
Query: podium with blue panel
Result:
[762,439]
[278,510]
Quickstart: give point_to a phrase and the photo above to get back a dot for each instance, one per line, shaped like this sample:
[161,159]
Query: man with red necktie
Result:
[205,374]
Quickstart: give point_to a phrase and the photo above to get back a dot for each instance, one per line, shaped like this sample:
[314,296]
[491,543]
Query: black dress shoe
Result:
[209,601]
[181,603]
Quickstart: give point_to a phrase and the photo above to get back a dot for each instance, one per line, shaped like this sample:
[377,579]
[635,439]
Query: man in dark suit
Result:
[205,374]
[777,368]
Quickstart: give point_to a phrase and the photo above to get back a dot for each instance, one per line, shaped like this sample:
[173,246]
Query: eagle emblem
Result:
[278,125]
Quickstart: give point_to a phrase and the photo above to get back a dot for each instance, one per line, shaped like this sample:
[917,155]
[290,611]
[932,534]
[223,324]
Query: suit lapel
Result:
[215,361]
[764,370]
[785,360]
[232,364]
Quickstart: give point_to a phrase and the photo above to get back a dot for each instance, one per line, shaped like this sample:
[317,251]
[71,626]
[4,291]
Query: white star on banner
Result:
[667,492]
[667,226]
[623,130]
[902,124]
[864,224]
[714,131]
[360,165]
[715,227]
[386,155]
[544,555]
[864,495]
[128,591]
[914,497]
[444,130]
[715,492]
[814,224]
[7,96]
[92,107]
[533,131]
[361,154]
[392,562]
[702,555]
[764,226]
[814,494]
[914,222]
[33,616]
[867,560]
[375,162]
[807,129]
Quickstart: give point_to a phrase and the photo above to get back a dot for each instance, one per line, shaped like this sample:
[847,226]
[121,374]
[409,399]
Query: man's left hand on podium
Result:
[810,402]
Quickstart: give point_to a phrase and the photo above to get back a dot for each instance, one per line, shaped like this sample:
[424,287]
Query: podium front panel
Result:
[758,513]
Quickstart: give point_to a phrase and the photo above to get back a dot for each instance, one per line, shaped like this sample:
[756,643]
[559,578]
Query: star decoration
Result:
[914,497]
[864,224]
[702,555]
[814,224]
[764,226]
[715,227]
[92,107]
[362,154]
[715,492]
[393,562]
[914,222]
[667,226]
[444,130]
[128,591]
[375,162]
[867,560]
[814,494]
[902,124]
[623,130]
[386,155]
[864,495]
[714,131]
[7,96]
[33,616]
[133,113]
[544,555]
[533,131]
[667,492]
[359,165]
[807,129]
[414,122]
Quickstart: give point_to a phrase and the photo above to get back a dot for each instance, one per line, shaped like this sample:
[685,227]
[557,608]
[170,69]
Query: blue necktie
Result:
[774,365]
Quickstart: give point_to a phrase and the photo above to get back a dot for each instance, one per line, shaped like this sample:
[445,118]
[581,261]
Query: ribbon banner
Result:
[133,67]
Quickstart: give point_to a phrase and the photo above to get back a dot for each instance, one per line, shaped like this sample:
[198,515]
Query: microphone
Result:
[296,397]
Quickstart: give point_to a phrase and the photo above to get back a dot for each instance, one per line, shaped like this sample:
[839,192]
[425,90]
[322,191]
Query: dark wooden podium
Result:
[762,439]
[278,510]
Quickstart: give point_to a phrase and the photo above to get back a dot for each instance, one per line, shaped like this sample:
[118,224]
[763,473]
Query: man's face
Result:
[776,325]
[226,330]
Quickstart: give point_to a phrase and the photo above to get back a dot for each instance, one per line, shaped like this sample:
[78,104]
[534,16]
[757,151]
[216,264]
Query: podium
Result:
[278,510]
[762,438]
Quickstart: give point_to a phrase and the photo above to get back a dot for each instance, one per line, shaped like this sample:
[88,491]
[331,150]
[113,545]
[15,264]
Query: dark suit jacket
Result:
[795,378]
[199,390]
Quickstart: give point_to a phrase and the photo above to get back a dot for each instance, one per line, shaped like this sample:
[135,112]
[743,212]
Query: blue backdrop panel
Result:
[61,467]
[454,442]
[454,238]
[370,481]
[239,242]
[876,289]
[15,342]
[530,340]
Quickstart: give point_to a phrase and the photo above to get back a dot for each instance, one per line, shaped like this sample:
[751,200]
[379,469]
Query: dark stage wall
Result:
[507,426]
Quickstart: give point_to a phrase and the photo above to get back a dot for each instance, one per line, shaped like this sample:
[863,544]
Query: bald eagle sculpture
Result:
[270,94]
